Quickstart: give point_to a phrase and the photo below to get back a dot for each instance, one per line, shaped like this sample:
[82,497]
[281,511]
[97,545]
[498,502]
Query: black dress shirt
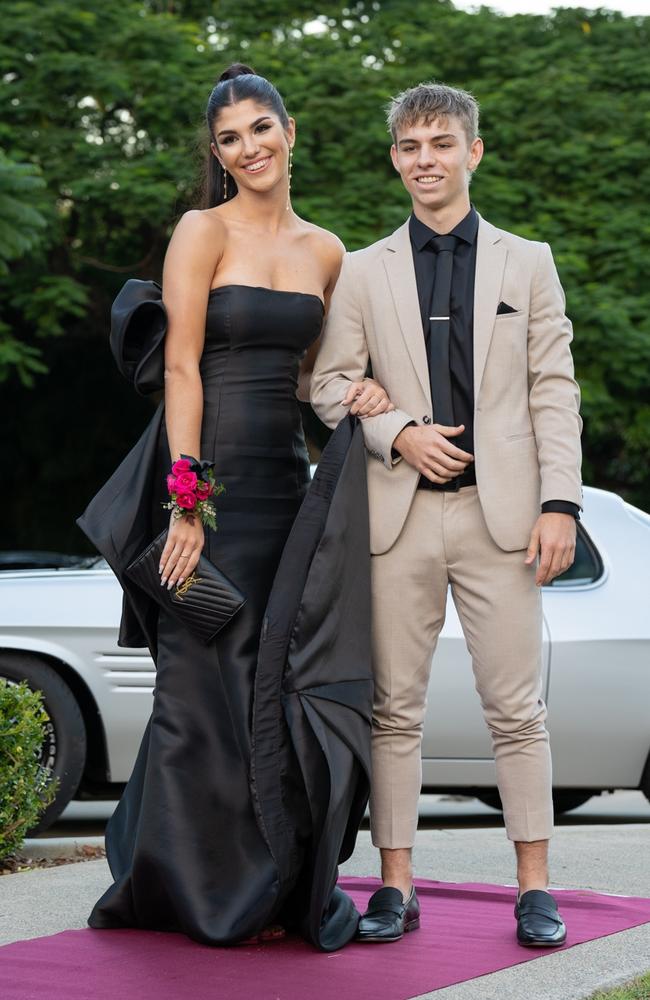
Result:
[461,323]
[461,328]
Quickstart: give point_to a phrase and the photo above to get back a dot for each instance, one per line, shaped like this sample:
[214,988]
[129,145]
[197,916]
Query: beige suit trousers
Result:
[445,542]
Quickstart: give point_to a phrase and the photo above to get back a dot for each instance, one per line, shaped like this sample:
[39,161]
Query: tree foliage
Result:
[21,226]
[105,103]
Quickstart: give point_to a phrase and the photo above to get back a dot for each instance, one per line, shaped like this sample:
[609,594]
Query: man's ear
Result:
[393,156]
[475,154]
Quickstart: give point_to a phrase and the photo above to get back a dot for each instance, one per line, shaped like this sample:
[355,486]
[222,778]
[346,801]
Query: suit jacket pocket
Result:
[518,314]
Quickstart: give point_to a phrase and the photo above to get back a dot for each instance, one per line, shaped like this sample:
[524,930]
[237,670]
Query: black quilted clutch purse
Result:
[204,602]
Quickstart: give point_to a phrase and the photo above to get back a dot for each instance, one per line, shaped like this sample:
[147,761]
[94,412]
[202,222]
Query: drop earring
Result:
[225,184]
[290,169]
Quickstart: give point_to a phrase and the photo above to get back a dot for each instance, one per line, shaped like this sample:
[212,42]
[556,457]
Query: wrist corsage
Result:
[191,486]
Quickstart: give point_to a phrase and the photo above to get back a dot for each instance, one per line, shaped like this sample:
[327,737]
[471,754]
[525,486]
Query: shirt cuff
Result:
[561,507]
[394,453]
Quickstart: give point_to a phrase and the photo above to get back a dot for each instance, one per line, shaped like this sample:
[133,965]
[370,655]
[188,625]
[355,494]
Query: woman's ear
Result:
[291,131]
[213,150]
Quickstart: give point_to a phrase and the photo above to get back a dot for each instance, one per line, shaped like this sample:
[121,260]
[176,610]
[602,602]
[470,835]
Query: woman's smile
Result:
[258,165]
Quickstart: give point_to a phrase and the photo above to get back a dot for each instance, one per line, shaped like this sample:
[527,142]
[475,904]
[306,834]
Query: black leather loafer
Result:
[388,916]
[539,924]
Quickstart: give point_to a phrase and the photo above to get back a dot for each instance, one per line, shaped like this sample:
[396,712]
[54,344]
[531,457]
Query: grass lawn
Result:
[639,989]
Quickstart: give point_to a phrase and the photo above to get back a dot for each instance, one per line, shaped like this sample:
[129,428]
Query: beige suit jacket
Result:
[526,420]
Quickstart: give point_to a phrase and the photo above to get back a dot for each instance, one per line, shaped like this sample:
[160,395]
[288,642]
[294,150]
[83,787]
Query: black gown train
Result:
[252,775]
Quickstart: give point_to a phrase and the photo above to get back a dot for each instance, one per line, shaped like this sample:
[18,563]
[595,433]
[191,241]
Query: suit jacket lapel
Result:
[398,261]
[490,264]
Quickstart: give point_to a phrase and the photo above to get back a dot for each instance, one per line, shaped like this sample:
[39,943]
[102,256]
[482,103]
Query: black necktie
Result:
[439,373]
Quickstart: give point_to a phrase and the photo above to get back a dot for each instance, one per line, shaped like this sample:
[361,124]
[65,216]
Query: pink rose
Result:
[202,491]
[181,465]
[186,500]
[171,484]
[186,482]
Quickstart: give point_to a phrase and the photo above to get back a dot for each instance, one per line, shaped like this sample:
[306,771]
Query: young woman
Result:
[246,283]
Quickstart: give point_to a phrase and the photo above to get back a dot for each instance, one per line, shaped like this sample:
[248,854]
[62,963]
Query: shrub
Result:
[26,787]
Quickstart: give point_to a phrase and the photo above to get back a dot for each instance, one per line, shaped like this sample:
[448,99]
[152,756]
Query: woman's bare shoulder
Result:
[329,250]
[203,224]
[324,242]
[197,243]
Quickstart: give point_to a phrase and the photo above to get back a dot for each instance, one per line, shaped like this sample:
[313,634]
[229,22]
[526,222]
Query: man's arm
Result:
[342,359]
[554,396]
[554,400]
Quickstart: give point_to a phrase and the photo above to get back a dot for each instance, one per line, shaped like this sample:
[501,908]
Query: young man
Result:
[474,482]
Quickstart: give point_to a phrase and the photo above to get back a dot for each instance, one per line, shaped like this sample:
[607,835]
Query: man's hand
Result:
[428,450]
[554,537]
[367,399]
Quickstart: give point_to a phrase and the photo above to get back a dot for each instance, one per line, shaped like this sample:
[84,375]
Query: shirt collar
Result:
[466,230]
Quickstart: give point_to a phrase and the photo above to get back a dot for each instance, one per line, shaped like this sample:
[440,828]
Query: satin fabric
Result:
[252,774]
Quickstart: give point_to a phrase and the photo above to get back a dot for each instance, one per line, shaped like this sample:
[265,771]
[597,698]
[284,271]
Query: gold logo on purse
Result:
[185,586]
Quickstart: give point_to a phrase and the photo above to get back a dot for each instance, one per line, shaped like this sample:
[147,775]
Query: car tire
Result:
[564,800]
[64,747]
[645,779]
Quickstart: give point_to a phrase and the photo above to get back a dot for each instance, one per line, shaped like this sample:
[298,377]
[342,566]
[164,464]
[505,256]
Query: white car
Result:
[58,630]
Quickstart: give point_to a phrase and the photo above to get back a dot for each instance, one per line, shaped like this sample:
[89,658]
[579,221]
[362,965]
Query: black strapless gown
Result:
[186,844]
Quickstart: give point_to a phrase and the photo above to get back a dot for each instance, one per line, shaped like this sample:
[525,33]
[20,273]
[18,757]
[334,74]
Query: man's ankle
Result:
[400,878]
[397,869]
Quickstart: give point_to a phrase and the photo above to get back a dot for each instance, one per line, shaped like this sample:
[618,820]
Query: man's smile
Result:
[429,179]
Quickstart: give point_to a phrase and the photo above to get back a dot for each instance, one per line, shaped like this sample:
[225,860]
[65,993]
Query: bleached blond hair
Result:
[428,101]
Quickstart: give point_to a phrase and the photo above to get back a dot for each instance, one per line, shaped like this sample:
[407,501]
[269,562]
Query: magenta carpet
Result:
[467,931]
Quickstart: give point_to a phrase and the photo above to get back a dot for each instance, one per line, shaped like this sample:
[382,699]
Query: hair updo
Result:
[237,83]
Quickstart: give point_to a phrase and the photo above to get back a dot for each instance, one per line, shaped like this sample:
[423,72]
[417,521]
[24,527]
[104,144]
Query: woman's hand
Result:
[367,399]
[182,550]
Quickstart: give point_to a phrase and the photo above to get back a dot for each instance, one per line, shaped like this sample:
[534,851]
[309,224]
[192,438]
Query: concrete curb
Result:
[58,847]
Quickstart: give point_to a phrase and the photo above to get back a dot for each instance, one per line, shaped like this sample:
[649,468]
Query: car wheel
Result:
[64,746]
[563,799]
[645,779]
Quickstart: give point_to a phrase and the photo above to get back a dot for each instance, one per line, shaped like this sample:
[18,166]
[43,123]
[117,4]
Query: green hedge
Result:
[103,105]
[26,787]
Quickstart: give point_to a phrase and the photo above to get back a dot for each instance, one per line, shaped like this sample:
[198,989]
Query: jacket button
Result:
[426,419]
